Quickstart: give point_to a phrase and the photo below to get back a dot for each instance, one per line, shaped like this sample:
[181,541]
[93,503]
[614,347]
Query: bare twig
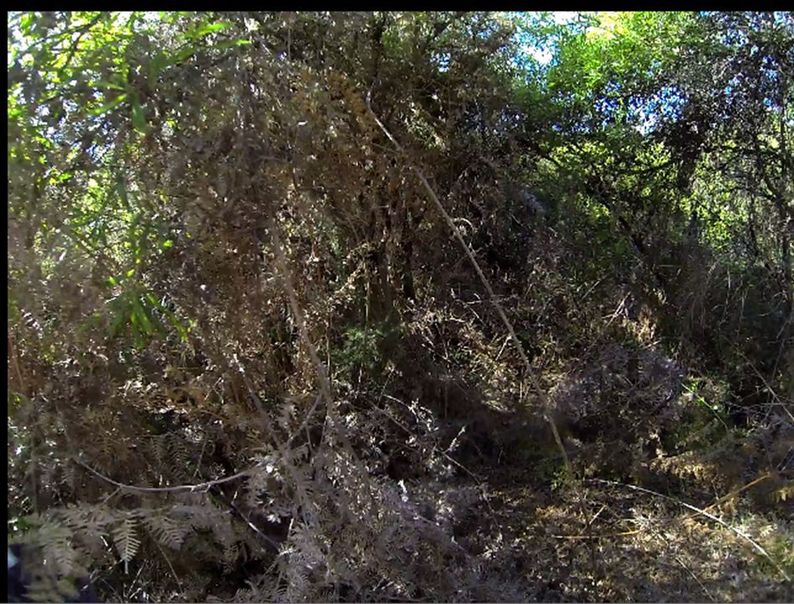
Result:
[183,487]
[246,519]
[778,401]
[683,565]
[322,373]
[201,455]
[444,454]
[735,492]
[720,521]
[325,390]
[83,30]
[487,284]
[282,447]
[171,566]
[15,361]
[602,536]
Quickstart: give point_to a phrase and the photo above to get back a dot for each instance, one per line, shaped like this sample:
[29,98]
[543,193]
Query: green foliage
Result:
[206,208]
[781,550]
[705,422]
[362,349]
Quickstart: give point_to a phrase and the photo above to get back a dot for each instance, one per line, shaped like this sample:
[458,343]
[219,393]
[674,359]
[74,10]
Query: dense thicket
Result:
[402,306]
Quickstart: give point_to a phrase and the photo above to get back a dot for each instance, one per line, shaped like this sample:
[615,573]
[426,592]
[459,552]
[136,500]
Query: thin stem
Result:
[183,487]
[487,284]
[733,529]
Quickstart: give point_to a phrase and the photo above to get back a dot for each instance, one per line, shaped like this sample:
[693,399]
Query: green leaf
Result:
[143,318]
[208,29]
[108,106]
[183,54]
[26,23]
[138,118]
[121,188]
[121,317]
[172,318]
[159,62]
[109,85]
[232,43]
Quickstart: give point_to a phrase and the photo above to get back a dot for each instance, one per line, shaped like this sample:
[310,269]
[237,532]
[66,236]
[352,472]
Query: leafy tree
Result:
[250,357]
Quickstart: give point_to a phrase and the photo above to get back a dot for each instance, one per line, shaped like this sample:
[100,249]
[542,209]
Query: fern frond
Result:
[126,540]
[55,540]
[46,587]
[256,487]
[166,530]
[234,553]
[87,518]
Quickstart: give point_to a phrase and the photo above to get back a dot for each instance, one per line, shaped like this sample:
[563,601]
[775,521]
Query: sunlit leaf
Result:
[232,44]
[108,106]
[208,29]
[109,85]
